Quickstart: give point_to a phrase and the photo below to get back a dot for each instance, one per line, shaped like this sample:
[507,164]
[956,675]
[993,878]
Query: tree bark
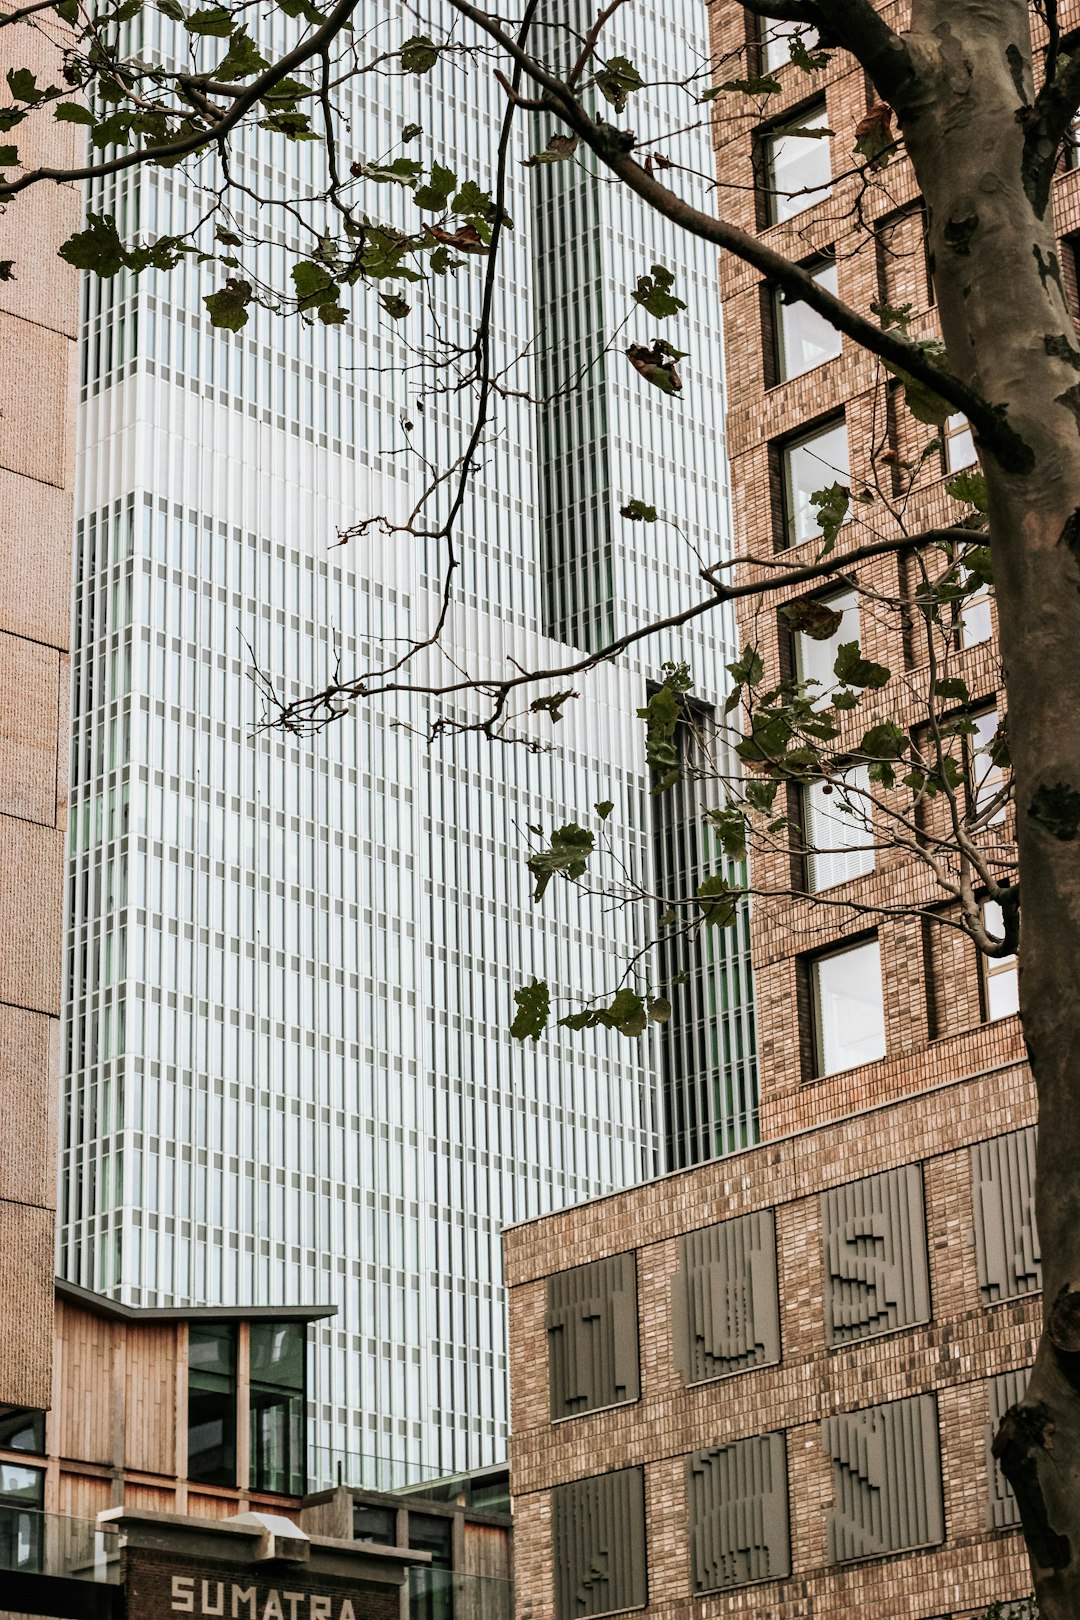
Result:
[1009,334]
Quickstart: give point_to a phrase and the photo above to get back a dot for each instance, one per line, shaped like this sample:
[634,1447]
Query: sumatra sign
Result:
[161,1586]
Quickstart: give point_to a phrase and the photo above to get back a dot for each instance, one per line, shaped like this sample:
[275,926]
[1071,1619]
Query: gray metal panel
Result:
[886,1479]
[738,1509]
[593,1336]
[1002,1392]
[1003,1196]
[599,1533]
[724,1314]
[873,1236]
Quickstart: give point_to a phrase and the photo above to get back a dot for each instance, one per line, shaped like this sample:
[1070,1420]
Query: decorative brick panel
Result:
[738,1512]
[1002,1392]
[886,1479]
[724,1315]
[1006,1240]
[874,1238]
[593,1336]
[600,1545]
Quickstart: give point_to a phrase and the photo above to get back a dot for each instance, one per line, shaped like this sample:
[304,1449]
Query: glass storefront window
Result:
[278,1351]
[212,1403]
[22,1494]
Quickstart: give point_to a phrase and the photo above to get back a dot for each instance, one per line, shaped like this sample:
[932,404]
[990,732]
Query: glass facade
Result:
[291,961]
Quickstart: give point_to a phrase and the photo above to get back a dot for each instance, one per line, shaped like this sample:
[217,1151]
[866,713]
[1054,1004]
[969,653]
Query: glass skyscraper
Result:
[292,960]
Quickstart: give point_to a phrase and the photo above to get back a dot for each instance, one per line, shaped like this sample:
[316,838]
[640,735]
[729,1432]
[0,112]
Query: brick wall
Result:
[38,327]
[951,1078]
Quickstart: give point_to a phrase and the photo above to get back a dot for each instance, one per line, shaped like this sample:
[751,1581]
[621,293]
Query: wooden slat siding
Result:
[150,1443]
[86,1392]
[487,1551]
[155,1498]
[83,1497]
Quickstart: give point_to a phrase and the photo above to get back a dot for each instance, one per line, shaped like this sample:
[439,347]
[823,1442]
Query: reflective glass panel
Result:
[799,166]
[804,339]
[812,464]
[848,1007]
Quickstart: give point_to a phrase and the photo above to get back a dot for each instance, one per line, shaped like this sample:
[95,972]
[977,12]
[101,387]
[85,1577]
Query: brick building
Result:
[766,1385]
[38,325]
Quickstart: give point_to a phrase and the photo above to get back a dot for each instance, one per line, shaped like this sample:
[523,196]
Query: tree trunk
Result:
[1010,334]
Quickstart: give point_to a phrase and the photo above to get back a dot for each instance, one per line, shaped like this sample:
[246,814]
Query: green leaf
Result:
[436,194]
[661,715]
[411,131]
[533,1010]
[953,687]
[229,238]
[9,155]
[473,202]
[7,270]
[626,1012]
[717,901]
[749,669]
[830,508]
[172,9]
[552,704]
[314,284]
[807,61]
[215,20]
[229,307]
[855,670]
[810,616]
[419,54]
[242,59]
[657,364]
[23,86]
[763,85]
[969,487]
[618,79]
[557,150]
[898,315]
[730,824]
[638,512]
[761,796]
[885,740]
[302,8]
[97,248]
[653,293]
[405,171]
[604,808]
[72,112]
[922,401]
[395,306]
[568,853]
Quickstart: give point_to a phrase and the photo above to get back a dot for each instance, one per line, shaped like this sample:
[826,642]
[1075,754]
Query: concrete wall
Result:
[38,328]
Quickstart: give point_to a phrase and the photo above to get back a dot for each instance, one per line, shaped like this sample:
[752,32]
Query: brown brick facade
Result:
[933,1121]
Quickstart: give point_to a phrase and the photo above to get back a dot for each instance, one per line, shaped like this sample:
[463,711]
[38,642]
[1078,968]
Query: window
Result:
[22,1429]
[278,1352]
[378,1524]
[959,444]
[798,166]
[431,1588]
[839,832]
[22,1493]
[775,41]
[974,622]
[212,1403]
[1000,981]
[849,1019]
[810,464]
[804,339]
[988,776]
[814,659]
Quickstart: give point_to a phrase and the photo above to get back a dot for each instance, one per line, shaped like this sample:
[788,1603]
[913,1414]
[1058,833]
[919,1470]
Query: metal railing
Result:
[38,1543]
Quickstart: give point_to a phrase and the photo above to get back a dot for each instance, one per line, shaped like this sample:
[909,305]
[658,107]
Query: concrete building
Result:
[291,962]
[767,1385]
[38,329]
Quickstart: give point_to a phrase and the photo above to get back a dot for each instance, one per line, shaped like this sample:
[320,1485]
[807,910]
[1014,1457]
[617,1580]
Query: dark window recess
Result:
[724,1303]
[886,1466]
[22,1428]
[593,1336]
[1069,248]
[212,1403]
[278,1354]
[378,1524]
[599,1533]
[1006,1240]
[876,1271]
[22,1494]
[738,1502]
[431,1591]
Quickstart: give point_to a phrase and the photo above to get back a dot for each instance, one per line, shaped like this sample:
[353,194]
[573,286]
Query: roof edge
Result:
[116,1310]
